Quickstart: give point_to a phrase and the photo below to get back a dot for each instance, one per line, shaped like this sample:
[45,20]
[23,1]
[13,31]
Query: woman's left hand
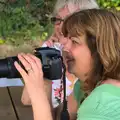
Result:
[33,74]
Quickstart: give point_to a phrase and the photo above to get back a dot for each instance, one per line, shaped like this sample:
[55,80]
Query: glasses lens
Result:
[56,21]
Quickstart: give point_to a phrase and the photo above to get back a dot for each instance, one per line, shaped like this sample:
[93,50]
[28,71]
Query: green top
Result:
[78,93]
[102,104]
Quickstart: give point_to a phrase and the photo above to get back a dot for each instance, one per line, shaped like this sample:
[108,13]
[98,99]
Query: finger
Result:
[37,61]
[49,43]
[54,39]
[32,63]
[24,62]
[21,71]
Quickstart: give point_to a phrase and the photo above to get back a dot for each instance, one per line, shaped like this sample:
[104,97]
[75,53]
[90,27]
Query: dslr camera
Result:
[51,64]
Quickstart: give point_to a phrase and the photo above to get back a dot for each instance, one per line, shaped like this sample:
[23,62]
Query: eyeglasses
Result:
[56,21]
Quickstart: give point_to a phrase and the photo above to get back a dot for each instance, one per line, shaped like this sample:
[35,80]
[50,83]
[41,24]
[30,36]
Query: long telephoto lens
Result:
[7,68]
[50,59]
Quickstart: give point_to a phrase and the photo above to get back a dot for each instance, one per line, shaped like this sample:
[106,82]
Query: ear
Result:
[72,7]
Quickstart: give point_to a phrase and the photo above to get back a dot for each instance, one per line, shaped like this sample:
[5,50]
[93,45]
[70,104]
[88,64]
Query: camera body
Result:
[51,64]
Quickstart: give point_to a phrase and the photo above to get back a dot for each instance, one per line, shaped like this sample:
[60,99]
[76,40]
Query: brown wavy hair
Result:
[102,29]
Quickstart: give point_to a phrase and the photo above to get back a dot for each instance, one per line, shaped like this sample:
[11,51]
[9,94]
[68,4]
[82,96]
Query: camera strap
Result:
[64,113]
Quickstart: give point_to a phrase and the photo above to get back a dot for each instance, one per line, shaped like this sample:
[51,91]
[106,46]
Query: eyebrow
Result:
[76,39]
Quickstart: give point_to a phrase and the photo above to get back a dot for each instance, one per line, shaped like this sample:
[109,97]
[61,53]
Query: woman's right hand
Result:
[51,40]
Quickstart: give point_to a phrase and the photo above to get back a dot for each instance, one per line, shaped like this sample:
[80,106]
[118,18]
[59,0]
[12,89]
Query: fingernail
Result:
[15,63]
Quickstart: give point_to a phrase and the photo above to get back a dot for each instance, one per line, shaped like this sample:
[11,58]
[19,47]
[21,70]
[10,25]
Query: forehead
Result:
[63,12]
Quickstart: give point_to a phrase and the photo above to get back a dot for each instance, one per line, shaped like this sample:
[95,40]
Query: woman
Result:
[92,49]
[62,9]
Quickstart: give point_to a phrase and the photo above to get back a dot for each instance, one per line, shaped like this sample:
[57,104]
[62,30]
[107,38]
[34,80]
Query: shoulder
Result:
[102,103]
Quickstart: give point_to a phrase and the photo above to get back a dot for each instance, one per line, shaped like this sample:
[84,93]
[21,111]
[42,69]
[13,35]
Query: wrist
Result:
[37,93]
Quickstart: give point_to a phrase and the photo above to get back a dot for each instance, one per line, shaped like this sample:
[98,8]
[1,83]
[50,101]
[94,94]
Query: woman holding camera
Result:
[92,47]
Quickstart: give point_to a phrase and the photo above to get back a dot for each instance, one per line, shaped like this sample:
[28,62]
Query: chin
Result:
[71,70]
[75,72]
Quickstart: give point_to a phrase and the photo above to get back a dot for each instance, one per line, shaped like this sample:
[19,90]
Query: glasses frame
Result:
[56,20]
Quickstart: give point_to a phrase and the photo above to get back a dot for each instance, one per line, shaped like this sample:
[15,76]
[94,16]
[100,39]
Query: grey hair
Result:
[81,4]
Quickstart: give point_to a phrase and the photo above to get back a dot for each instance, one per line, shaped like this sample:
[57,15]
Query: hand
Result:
[51,40]
[32,75]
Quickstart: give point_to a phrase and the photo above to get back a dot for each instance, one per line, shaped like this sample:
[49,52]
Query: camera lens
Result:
[7,68]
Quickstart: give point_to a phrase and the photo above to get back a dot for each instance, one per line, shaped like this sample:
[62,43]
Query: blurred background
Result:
[25,24]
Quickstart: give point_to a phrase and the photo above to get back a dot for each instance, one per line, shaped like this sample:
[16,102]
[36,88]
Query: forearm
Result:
[48,90]
[25,99]
[36,104]
[41,106]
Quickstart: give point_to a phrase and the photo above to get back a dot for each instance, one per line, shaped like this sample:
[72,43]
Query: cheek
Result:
[83,59]
[57,29]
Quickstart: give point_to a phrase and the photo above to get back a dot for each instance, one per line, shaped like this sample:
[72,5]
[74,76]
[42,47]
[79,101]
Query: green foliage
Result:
[20,22]
[24,20]
[109,4]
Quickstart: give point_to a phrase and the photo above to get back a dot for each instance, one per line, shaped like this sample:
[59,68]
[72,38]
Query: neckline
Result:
[108,88]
